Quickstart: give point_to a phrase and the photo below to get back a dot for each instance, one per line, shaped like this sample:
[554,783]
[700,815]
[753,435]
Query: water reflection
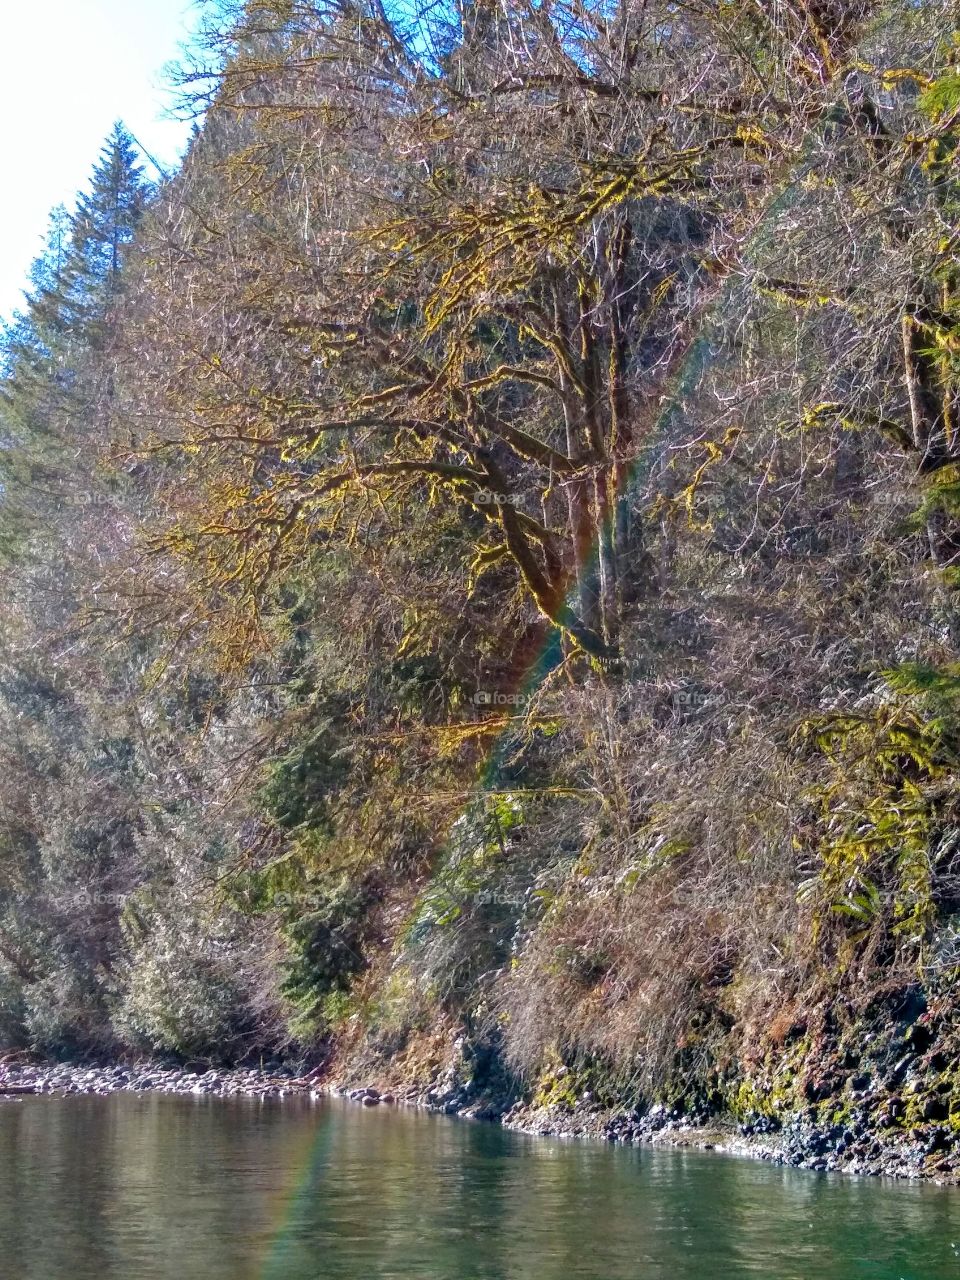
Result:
[152,1188]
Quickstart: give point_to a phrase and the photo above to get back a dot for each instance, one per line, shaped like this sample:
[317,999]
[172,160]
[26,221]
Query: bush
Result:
[184,991]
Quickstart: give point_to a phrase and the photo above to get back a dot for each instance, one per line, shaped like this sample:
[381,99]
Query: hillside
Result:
[480,569]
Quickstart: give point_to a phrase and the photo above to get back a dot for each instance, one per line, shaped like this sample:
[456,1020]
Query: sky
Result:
[68,70]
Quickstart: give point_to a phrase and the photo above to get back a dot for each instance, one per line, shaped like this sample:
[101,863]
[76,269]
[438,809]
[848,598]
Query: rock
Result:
[935,1109]
[371,1100]
[898,1073]
[937,1140]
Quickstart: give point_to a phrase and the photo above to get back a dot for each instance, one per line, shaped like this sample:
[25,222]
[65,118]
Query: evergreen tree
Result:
[55,359]
[51,355]
[32,379]
[103,225]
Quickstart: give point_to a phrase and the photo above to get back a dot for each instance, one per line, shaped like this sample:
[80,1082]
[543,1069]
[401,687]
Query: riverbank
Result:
[799,1145]
[159,1187]
[855,1141]
[20,1079]
[849,1149]
[837,1149]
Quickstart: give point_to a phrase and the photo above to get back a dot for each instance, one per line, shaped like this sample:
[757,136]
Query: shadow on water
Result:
[172,1188]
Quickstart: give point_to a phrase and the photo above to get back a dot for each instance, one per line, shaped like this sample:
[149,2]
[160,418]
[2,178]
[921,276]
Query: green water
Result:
[135,1187]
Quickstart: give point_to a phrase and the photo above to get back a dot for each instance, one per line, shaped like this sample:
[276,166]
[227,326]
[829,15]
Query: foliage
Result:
[481,542]
[890,819]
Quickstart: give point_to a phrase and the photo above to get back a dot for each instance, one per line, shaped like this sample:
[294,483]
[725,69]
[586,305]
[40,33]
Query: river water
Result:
[148,1187]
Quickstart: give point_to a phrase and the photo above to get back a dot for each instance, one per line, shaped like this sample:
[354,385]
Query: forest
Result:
[480,562]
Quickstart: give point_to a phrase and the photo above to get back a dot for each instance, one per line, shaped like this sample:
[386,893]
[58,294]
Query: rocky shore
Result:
[850,1149]
[800,1141]
[20,1079]
[798,1144]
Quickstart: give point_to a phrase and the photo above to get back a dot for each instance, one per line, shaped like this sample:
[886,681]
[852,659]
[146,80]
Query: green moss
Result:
[563,1084]
[559,1088]
[749,1101]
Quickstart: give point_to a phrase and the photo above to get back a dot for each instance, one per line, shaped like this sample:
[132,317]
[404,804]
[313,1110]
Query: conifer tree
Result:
[103,225]
[51,355]
[55,362]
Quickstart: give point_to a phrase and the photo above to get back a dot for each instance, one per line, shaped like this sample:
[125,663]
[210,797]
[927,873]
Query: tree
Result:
[492,326]
[102,227]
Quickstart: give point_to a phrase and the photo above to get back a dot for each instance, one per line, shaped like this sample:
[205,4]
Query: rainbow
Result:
[527,680]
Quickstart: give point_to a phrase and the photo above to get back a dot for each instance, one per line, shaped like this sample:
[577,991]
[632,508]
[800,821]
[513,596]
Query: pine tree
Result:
[51,355]
[102,226]
[33,380]
[56,368]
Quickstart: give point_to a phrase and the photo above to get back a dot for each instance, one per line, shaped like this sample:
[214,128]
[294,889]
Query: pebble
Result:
[17,1079]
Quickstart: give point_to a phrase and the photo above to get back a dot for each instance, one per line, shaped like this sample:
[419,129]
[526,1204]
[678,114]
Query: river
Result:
[147,1187]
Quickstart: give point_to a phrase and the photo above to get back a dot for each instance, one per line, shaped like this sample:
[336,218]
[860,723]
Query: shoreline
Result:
[795,1145]
[57,1079]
